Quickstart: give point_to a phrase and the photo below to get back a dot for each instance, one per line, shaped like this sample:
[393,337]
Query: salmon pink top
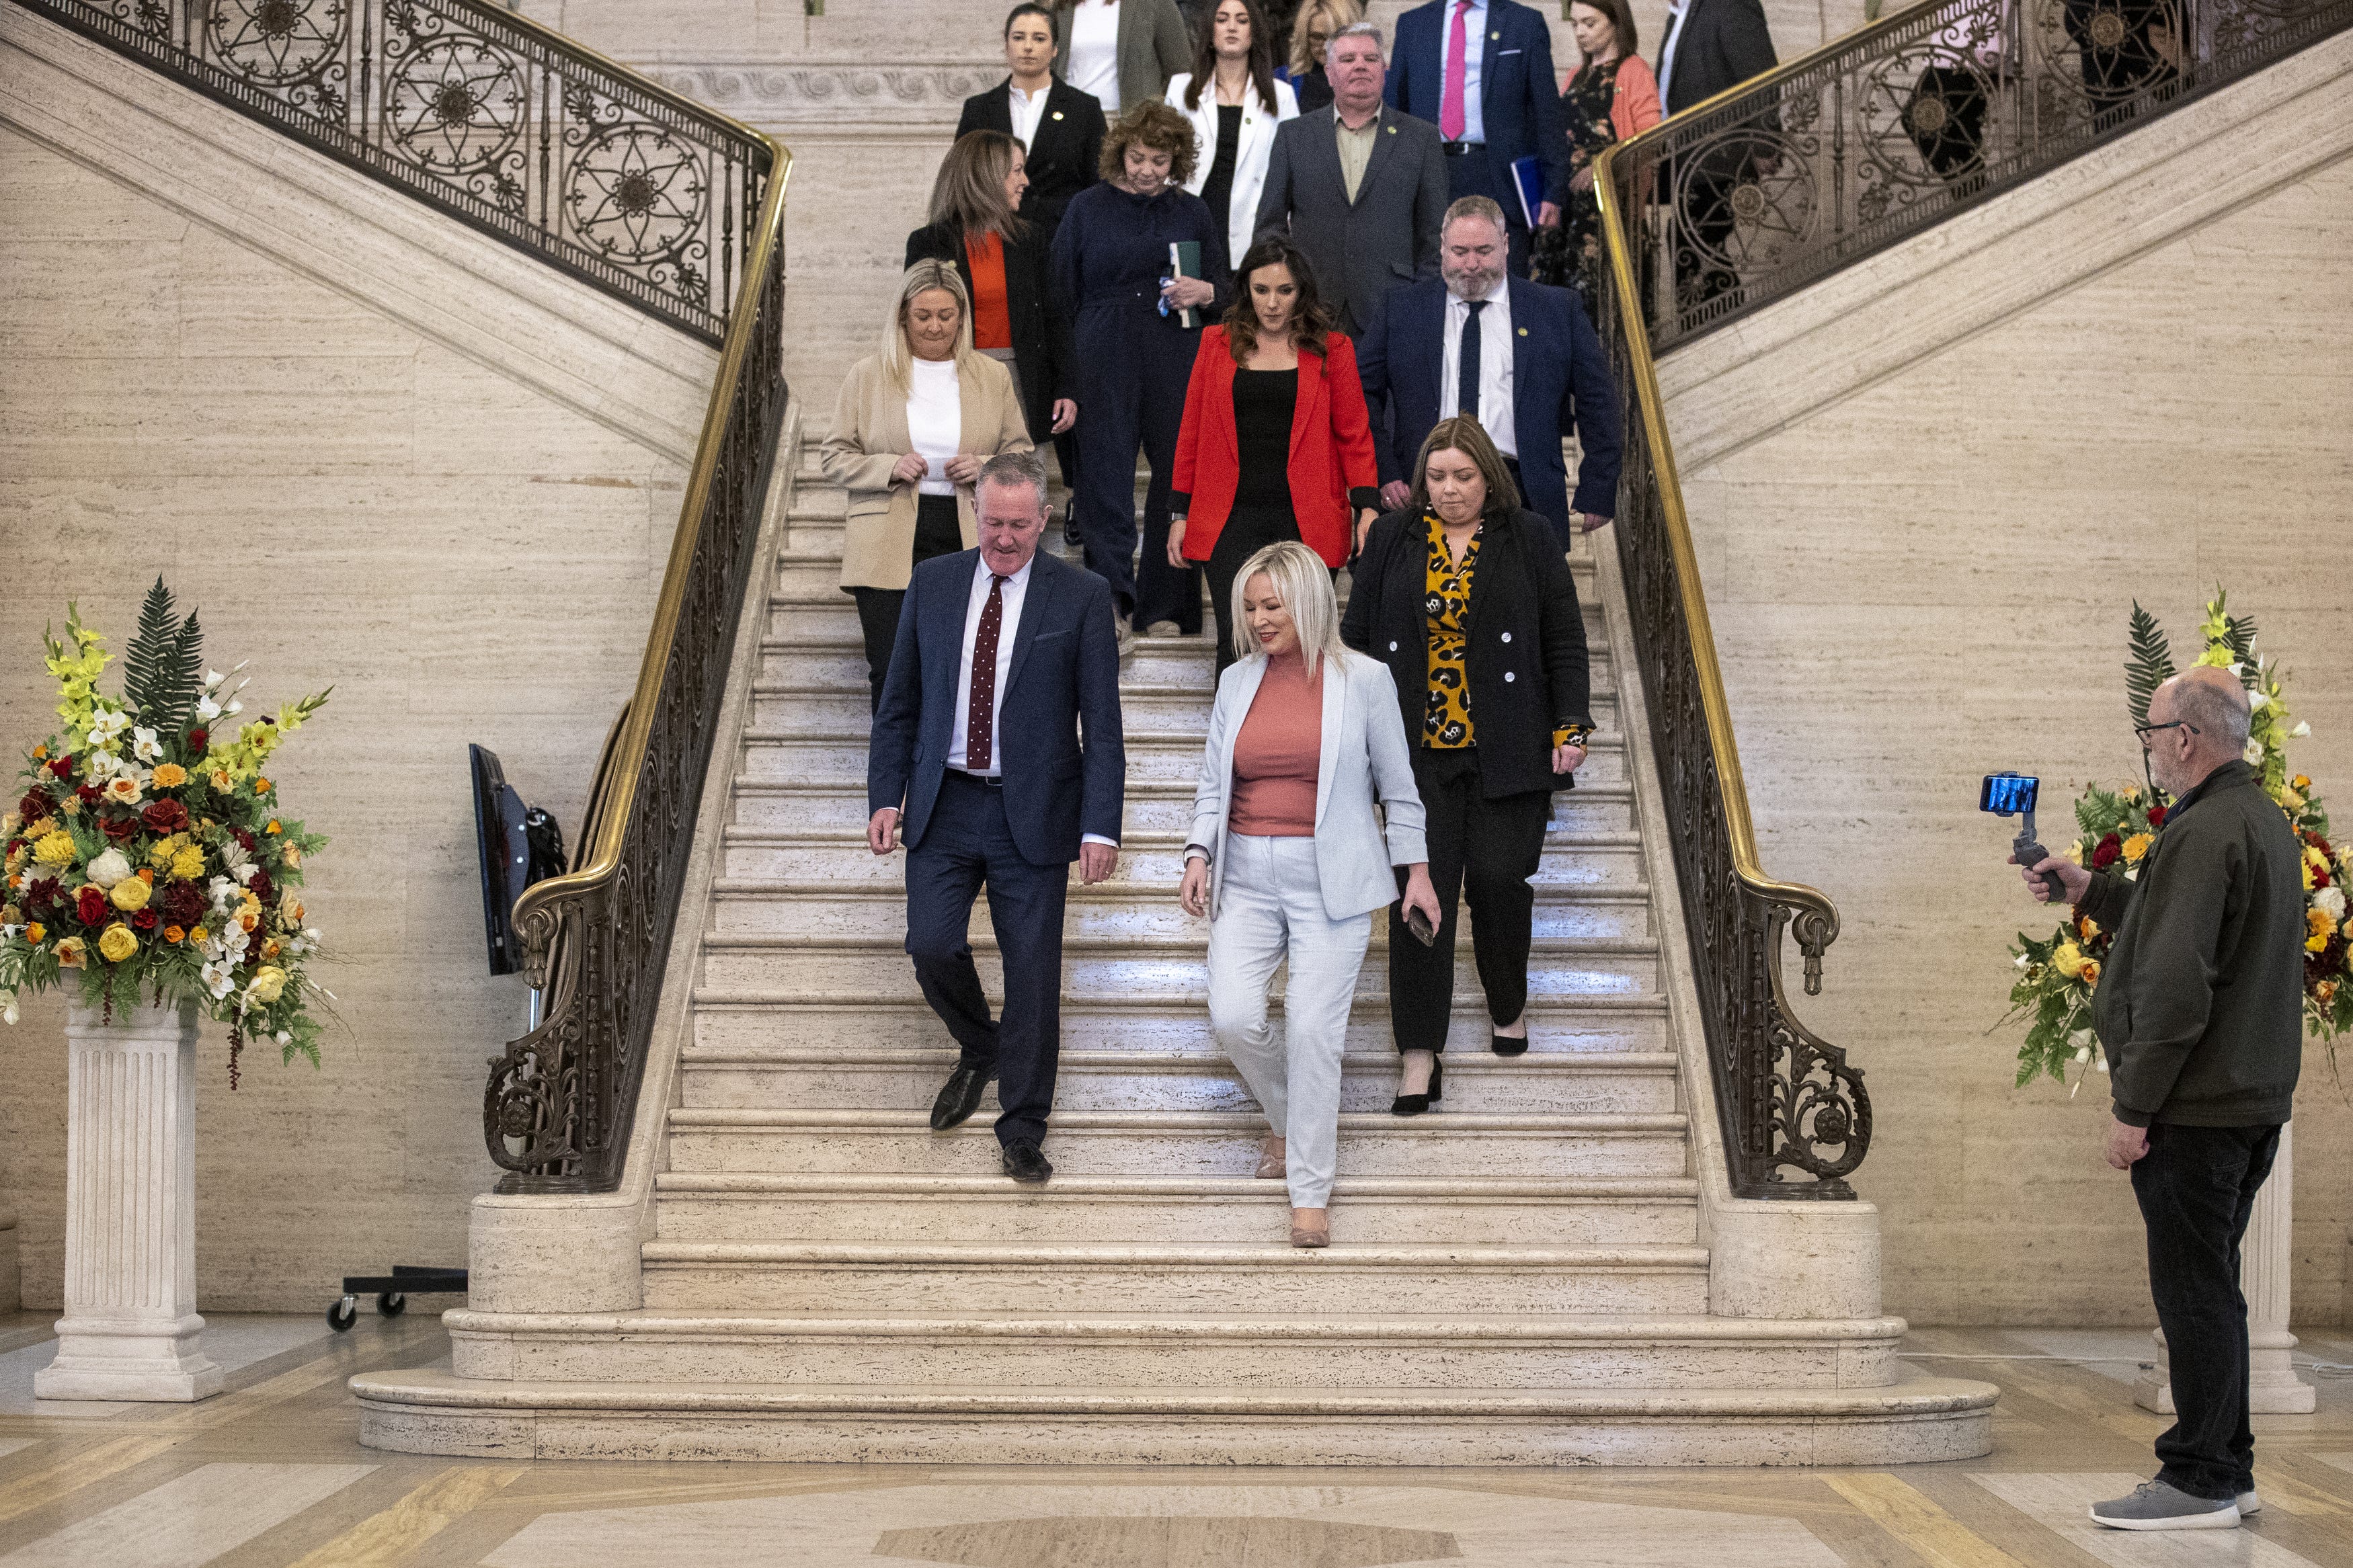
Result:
[1279,754]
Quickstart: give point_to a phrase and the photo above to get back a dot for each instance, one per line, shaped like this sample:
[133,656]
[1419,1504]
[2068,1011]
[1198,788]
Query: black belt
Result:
[994,782]
[1461,149]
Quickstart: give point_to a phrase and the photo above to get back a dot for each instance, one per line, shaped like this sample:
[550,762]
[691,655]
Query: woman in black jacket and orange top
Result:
[1468,600]
[977,224]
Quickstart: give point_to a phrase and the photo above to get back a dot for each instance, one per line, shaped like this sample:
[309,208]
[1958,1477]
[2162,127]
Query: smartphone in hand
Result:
[1419,923]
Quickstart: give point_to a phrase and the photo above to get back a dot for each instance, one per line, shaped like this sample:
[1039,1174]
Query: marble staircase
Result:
[1525,1277]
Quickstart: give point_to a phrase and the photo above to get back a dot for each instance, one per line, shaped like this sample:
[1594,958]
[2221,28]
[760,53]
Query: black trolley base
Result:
[392,1292]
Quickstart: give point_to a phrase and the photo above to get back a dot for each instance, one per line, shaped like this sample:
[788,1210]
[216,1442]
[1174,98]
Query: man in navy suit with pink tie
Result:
[996,758]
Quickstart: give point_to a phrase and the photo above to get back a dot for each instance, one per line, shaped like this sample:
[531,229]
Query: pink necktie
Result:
[1449,102]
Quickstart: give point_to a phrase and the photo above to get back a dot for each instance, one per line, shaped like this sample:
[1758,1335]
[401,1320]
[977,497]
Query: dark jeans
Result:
[966,845]
[1946,120]
[1487,849]
[937,532]
[2197,1188]
[1249,528]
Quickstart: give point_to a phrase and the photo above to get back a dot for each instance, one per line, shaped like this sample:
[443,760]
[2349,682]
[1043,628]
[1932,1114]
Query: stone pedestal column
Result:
[130,1329]
[2266,1260]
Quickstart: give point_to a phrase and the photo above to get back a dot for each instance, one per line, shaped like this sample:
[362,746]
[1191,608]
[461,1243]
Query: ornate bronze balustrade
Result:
[487,116]
[1755,193]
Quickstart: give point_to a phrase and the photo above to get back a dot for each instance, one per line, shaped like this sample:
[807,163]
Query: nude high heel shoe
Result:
[1272,1164]
[1319,1234]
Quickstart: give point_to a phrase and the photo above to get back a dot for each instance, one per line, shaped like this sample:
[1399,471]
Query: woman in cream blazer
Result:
[911,429]
[1289,860]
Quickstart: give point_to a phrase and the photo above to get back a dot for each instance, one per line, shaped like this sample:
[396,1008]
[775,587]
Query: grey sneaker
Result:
[2154,1505]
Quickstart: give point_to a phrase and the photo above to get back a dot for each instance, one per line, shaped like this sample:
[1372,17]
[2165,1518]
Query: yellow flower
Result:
[261,786]
[2315,943]
[130,895]
[55,849]
[188,864]
[72,952]
[2131,794]
[2299,781]
[269,984]
[117,942]
[37,933]
[2069,960]
[40,754]
[123,792]
[2136,847]
[292,854]
[2316,922]
[198,935]
[170,775]
[273,827]
[159,853]
[69,806]
[221,779]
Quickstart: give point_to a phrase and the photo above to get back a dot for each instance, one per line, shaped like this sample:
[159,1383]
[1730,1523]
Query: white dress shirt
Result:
[934,421]
[1494,410]
[1029,107]
[1093,53]
[1678,12]
[1475,40]
[1015,589]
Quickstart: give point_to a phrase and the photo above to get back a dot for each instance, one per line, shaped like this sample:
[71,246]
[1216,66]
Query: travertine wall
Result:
[354,501]
[1925,577]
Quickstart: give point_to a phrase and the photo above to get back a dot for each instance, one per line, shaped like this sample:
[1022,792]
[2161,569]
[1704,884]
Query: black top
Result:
[1219,189]
[1263,403]
[1315,90]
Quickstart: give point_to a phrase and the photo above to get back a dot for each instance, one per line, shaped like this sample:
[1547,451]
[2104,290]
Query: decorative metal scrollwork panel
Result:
[1855,146]
[493,120]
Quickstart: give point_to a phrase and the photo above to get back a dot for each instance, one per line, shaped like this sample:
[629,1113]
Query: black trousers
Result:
[1133,369]
[1249,528]
[2197,1188]
[967,846]
[1487,849]
[937,532]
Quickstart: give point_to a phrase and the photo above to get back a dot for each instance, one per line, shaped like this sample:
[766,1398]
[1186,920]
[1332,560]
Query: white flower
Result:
[235,707]
[2103,1062]
[2082,1053]
[2257,701]
[2132,873]
[284,1038]
[218,978]
[2330,901]
[108,869]
[8,933]
[8,1009]
[221,890]
[2021,961]
[207,709]
[146,746]
[238,859]
[212,678]
[2300,732]
[2254,753]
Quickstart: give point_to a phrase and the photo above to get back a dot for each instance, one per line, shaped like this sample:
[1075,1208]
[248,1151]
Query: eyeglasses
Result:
[2145,730]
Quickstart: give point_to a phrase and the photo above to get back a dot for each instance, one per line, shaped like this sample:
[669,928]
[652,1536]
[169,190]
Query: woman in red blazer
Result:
[1275,444]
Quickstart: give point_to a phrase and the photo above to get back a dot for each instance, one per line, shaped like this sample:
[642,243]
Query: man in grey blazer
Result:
[1359,186]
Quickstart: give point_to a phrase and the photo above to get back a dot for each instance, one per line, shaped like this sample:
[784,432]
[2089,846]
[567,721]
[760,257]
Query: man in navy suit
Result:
[1521,357]
[996,758]
[1480,70]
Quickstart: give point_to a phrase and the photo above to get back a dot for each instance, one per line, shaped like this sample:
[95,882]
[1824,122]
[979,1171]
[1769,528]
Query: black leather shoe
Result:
[959,1098]
[1025,1161]
[1415,1104]
[1504,1045]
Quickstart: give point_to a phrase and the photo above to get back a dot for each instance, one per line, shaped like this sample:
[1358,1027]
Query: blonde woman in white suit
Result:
[1235,101]
[1289,859]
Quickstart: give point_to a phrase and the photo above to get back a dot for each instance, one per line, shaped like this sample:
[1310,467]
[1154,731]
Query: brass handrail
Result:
[561,1102]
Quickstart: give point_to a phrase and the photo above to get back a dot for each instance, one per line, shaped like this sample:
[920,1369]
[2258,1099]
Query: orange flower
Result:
[247,922]
[273,827]
[36,933]
[173,934]
[2090,974]
[39,752]
[261,786]
[147,875]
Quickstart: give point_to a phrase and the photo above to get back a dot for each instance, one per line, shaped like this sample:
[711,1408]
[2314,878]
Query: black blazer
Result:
[1526,636]
[1042,354]
[1725,42]
[1062,155]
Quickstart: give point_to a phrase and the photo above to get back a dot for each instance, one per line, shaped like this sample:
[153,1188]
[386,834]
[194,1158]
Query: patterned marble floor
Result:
[271,1474]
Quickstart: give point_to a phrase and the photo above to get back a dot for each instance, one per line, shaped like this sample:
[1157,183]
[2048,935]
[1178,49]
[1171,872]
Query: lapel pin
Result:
[1523,331]
[1392,130]
[1497,36]
[1057,114]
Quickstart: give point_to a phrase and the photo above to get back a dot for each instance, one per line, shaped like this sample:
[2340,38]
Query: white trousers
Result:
[1272,908]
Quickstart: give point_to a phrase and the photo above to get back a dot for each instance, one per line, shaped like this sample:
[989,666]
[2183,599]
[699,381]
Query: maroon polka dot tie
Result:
[980,718]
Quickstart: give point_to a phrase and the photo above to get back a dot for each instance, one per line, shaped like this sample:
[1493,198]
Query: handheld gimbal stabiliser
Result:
[2013,795]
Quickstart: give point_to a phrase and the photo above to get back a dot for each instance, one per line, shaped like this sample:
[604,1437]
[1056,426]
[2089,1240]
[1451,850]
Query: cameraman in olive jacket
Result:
[2200,1010]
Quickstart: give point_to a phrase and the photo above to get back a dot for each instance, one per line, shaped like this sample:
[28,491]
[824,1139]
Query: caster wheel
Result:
[391,1304]
[342,1315]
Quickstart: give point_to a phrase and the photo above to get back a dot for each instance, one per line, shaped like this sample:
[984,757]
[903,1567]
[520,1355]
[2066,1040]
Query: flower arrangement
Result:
[2059,974]
[148,855]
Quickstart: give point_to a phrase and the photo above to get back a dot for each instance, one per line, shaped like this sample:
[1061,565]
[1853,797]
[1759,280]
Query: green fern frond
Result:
[162,670]
[2239,634]
[2150,665]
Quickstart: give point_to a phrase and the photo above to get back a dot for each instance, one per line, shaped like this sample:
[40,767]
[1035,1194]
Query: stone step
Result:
[1151,861]
[837,757]
[1117,908]
[1187,1350]
[1160,1021]
[1383,1210]
[1179,1143]
[878,966]
[1034,1278]
[1156,807]
[843,1076]
[1915,1418]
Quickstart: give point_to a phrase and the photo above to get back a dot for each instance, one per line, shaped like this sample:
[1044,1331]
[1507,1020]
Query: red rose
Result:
[35,805]
[165,816]
[62,767]
[2157,816]
[184,902]
[144,920]
[2106,854]
[90,906]
[87,794]
[121,829]
[197,739]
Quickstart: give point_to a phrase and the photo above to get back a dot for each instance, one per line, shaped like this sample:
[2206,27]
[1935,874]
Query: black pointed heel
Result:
[1504,1045]
[1415,1104]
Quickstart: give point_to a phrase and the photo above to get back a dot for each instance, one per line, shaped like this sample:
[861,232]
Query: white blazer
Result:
[1363,759]
[1250,153]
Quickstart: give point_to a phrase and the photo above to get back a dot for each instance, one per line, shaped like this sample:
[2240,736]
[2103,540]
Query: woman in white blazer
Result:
[1287,859]
[1235,101]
